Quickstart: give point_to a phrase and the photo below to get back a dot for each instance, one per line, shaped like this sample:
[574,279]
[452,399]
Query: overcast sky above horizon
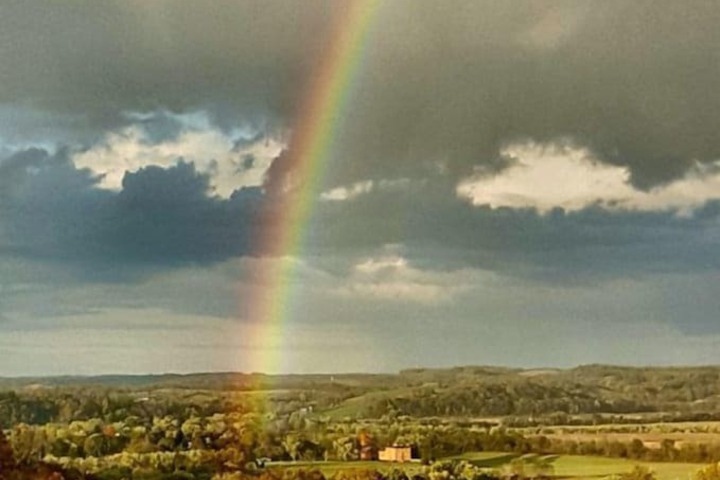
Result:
[525,183]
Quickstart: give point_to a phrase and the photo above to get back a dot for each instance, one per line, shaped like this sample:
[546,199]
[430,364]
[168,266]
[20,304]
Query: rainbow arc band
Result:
[311,147]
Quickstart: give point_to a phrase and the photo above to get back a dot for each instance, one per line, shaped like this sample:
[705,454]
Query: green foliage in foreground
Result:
[474,466]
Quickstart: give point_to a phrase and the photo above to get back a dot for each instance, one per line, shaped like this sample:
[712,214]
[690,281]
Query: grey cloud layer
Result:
[166,218]
[440,85]
[99,61]
[442,88]
[54,211]
[439,231]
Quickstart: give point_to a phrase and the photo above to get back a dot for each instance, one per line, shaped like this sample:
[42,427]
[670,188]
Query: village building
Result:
[396,453]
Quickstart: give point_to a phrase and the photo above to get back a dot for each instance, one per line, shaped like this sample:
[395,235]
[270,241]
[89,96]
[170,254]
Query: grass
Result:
[564,466]
[332,467]
[358,406]
[584,467]
[578,466]
[712,426]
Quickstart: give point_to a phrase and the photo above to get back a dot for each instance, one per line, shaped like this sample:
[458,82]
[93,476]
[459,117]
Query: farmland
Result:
[466,423]
[582,466]
[562,466]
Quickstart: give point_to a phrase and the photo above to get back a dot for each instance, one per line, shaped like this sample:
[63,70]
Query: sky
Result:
[526,183]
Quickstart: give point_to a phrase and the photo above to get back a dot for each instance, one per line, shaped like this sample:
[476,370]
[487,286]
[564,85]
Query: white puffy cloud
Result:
[555,176]
[389,276]
[357,189]
[235,159]
[347,192]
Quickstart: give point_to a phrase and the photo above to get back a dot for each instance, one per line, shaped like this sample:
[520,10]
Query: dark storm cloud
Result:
[438,232]
[167,218]
[630,80]
[161,217]
[100,61]
[440,89]
[159,126]
[45,202]
[441,86]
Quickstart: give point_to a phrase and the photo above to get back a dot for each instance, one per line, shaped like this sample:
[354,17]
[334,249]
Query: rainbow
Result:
[311,146]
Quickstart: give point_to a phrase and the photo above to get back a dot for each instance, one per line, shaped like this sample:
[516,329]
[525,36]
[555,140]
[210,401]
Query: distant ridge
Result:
[416,376]
[688,393]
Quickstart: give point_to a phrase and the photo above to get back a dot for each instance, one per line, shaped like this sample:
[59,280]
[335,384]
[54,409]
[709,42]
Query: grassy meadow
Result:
[563,466]
[330,468]
[581,466]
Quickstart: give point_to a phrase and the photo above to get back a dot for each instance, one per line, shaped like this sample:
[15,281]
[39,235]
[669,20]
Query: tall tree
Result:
[7,458]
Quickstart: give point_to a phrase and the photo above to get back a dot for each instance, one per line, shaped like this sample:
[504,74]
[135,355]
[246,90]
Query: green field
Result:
[359,406]
[578,466]
[564,466]
[330,468]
